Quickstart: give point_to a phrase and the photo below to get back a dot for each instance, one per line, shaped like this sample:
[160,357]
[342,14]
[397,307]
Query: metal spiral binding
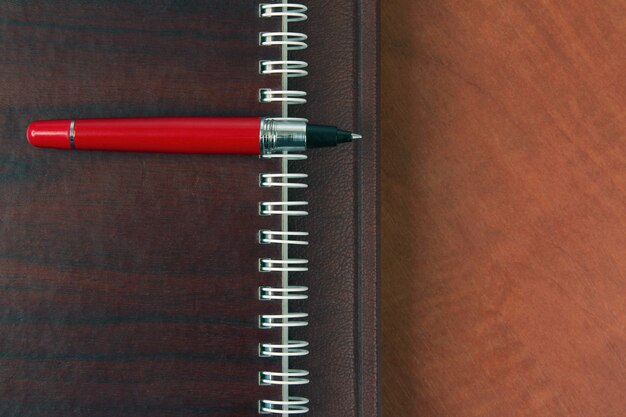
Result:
[280,237]
[293,41]
[269,180]
[283,293]
[293,405]
[280,265]
[267,95]
[291,377]
[293,348]
[294,12]
[270,208]
[291,68]
[285,68]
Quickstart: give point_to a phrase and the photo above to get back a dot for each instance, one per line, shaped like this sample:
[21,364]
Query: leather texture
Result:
[343,220]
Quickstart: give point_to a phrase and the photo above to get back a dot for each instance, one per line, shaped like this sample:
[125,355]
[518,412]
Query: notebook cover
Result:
[128,282]
[342,90]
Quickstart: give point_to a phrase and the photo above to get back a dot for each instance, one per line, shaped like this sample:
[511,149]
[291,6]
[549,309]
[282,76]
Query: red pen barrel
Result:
[194,135]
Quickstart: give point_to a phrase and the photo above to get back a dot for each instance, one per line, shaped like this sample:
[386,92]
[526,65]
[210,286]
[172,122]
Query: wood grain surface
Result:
[129,282]
[504,208]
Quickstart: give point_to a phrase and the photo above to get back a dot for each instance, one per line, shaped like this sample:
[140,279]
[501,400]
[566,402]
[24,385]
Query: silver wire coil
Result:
[293,41]
[292,348]
[291,68]
[289,208]
[283,293]
[291,97]
[272,321]
[286,156]
[293,12]
[283,265]
[293,405]
[280,237]
[285,68]
[291,377]
[282,180]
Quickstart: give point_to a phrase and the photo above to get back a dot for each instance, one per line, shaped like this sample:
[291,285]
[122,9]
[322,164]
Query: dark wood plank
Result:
[504,208]
[128,282]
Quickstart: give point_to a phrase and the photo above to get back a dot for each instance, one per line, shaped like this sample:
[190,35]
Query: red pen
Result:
[199,135]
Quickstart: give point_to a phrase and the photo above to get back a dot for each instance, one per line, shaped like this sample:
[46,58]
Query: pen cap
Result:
[49,134]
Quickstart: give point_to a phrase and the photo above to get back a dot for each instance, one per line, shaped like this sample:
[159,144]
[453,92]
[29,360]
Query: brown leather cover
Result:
[128,282]
[343,220]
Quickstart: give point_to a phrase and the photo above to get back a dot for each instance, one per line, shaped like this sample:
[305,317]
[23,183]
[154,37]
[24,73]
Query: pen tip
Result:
[356,136]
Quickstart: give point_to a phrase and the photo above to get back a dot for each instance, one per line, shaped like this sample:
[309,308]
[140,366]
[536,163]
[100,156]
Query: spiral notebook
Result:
[184,285]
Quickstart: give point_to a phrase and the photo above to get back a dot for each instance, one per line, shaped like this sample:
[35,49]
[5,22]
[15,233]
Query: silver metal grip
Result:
[282,136]
[72,134]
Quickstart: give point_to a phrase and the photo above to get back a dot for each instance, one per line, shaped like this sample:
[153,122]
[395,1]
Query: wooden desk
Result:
[504,208]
